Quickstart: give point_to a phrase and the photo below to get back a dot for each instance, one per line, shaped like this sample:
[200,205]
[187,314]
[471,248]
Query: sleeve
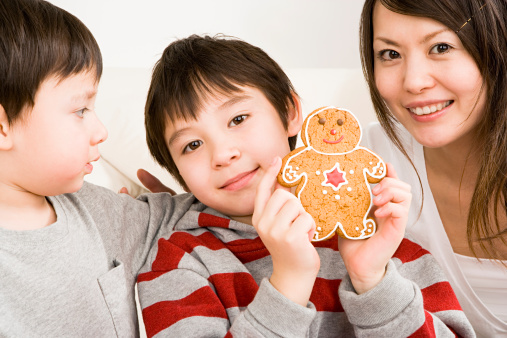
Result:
[413,300]
[129,226]
[179,298]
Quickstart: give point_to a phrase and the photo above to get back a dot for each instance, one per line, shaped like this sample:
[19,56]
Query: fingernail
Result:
[273,162]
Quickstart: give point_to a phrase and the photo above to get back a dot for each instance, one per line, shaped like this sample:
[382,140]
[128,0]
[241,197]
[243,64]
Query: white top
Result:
[428,230]
[488,279]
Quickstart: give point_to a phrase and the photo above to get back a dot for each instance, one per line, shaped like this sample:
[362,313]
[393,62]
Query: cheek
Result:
[386,83]
[193,173]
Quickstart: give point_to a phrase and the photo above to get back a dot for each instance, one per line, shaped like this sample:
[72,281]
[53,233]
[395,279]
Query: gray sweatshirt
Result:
[76,277]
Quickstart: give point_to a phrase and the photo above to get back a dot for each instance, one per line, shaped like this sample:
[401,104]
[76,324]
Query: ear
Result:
[295,117]
[5,131]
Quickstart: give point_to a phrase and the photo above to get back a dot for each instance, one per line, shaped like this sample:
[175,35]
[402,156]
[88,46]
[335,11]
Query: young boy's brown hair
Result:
[176,93]
[40,40]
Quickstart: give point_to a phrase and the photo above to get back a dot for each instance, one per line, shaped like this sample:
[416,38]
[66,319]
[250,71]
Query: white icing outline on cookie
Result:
[288,170]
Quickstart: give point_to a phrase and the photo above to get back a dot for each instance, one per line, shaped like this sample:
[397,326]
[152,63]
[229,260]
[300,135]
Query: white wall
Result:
[296,33]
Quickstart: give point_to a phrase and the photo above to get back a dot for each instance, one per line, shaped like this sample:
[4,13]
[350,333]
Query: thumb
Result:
[152,183]
[265,188]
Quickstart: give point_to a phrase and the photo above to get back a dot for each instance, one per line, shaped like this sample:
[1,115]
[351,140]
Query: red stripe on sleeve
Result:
[234,289]
[409,251]
[207,220]
[426,330]
[326,298]
[168,258]
[203,302]
[440,297]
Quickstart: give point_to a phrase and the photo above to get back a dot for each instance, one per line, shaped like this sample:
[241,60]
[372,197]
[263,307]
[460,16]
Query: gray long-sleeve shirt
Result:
[76,277]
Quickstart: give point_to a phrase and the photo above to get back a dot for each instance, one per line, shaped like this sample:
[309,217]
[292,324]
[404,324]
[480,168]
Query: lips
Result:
[334,142]
[239,181]
[429,108]
[89,165]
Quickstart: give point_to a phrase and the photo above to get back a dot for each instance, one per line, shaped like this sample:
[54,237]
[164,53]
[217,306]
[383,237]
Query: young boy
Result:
[218,116]
[68,260]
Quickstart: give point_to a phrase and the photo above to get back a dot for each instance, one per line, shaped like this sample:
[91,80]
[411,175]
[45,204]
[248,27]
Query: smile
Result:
[239,181]
[333,142]
[430,109]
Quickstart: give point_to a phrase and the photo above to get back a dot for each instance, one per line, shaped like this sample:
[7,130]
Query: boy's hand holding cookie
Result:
[366,260]
[286,230]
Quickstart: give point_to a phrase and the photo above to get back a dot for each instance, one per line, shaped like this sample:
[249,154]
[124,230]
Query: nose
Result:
[224,154]
[99,131]
[418,76]
[332,132]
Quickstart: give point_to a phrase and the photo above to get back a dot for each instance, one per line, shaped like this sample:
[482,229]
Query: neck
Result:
[454,160]
[23,210]
[243,219]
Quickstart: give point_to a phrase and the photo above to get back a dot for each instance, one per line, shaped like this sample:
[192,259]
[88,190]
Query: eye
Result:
[192,146]
[340,122]
[81,112]
[388,55]
[440,48]
[322,120]
[237,120]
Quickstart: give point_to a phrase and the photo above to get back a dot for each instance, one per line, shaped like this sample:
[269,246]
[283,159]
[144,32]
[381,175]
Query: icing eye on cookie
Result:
[340,122]
[322,120]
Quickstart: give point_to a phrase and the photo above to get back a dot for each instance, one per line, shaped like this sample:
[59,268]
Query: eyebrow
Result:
[229,103]
[86,95]
[175,136]
[234,100]
[423,40]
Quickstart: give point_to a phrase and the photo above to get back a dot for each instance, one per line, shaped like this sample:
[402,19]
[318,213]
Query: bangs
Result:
[194,90]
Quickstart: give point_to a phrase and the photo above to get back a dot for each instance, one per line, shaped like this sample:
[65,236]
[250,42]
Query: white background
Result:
[296,33]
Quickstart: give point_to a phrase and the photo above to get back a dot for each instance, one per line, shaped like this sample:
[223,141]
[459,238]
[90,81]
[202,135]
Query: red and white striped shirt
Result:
[208,276]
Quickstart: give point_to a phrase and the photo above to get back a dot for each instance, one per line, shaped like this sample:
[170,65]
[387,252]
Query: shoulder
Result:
[409,251]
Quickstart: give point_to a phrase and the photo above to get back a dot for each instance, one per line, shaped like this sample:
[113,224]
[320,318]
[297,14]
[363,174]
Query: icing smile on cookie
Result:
[430,109]
[333,142]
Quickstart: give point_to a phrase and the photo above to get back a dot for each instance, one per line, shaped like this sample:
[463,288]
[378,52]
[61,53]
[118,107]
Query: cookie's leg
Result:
[358,228]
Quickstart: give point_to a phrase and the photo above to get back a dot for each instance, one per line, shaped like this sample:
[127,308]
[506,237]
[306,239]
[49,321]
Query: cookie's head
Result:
[331,130]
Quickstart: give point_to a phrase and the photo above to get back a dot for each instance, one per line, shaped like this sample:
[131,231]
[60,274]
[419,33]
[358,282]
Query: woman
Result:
[437,72]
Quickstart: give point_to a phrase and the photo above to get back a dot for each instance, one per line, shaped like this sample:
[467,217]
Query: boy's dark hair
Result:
[38,40]
[193,68]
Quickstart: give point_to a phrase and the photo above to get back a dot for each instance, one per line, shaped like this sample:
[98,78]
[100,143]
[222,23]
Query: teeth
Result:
[429,109]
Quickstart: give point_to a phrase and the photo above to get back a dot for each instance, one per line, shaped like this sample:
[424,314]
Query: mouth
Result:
[89,165]
[239,181]
[430,109]
[333,142]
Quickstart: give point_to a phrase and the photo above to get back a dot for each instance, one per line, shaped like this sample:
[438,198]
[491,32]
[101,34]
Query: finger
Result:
[283,208]
[265,188]
[390,182]
[392,194]
[390,171]
[303,225]
[123,190]
[392,210]
[152,183]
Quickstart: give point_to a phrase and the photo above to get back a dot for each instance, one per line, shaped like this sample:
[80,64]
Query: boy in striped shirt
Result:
[219,115]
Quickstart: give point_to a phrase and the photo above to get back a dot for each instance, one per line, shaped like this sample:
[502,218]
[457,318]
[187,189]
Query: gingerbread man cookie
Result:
[332,173]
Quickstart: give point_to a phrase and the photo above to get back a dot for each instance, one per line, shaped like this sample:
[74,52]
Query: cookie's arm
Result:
[374,166]
[290,173]
[412,299]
